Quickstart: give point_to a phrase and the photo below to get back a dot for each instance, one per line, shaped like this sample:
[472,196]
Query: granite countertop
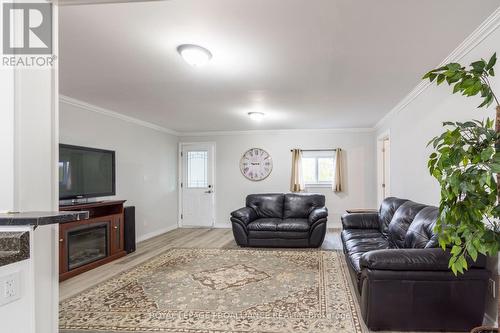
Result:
[14,247]
[41,218]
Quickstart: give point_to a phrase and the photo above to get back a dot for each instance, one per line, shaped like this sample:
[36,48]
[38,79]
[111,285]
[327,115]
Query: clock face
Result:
[256,164]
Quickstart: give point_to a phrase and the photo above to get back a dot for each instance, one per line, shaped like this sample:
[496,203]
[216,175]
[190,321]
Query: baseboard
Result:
[488,321]
[155,233]
[222,226]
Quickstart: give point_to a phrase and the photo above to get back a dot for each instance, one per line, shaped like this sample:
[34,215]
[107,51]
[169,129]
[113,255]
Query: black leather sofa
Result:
[401,277]
[281,220]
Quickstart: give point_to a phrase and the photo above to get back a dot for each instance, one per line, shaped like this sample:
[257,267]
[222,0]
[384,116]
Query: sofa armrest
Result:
[360,221]
[433,259]
[318,214]
[245,215]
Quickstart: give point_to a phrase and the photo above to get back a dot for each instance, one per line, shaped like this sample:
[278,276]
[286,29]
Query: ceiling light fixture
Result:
[194,55]
[257,116]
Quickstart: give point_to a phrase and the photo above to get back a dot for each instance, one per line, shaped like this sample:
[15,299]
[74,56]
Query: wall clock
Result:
[256,164]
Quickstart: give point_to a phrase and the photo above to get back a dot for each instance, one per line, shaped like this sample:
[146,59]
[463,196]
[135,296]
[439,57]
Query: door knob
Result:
[209,191]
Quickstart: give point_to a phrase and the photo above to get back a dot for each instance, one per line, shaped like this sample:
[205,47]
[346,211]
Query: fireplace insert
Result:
[87,244]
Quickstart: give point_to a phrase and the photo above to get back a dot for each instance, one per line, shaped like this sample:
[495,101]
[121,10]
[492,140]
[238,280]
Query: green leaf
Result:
[492,61]
[440,79]
[455,250]
[487,101]
[478,66]
[472,252]
[486,153]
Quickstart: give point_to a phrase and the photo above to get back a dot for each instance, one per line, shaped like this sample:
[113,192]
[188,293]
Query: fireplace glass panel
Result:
[87,245]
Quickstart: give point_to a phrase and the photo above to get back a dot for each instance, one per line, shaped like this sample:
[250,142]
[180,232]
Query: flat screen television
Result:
[85,172]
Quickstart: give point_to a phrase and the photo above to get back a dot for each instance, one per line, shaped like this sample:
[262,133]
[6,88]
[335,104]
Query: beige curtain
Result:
[338,184]
[296,183]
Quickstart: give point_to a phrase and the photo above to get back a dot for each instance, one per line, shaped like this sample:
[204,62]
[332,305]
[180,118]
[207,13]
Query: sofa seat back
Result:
[386,212]
[407,224]
[285,206]
[401,221]
[267,205]
[301,205]
[421,234]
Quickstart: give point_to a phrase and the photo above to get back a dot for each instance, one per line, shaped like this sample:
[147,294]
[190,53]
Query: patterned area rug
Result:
[221,290]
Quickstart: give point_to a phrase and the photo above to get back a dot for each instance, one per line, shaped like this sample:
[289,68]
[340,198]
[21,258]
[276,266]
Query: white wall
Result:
[231,187]
[146,164]
[412,127]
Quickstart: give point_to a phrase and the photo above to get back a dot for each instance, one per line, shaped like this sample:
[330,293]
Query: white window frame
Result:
[316,154]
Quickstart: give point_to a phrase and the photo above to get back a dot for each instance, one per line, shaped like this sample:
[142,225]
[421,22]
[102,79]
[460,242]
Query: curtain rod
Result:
[316,149]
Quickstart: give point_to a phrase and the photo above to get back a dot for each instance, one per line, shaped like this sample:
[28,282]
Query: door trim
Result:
[179,180]
[381,138]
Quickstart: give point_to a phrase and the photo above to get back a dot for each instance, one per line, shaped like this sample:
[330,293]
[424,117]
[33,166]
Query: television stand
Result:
[87,244]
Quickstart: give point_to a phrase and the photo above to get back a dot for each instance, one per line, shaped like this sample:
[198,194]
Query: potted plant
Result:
[466,163]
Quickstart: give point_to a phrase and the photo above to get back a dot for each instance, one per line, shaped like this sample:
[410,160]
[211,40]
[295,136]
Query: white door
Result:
[197,185]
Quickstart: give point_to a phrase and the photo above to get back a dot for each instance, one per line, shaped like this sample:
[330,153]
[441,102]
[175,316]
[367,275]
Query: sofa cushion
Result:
[300,205]
[401,221]
[266,205]
[355,249]
[260,234]
[421,234]
[293,224]
[386,212]
[366,244]
[349,234]
[265,224]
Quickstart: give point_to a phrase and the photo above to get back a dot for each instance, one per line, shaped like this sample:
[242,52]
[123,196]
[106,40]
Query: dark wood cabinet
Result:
[117,234]
[87,244]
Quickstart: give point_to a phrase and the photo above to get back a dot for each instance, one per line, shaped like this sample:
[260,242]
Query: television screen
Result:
[85,172]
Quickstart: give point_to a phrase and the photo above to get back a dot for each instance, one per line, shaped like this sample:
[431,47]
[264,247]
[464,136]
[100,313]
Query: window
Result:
[318,168]
[197,176]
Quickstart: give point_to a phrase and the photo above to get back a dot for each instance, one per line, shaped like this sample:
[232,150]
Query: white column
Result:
[28,182]
[7,139]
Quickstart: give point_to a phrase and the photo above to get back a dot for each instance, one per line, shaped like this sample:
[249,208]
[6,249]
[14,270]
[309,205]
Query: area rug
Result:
[221,290]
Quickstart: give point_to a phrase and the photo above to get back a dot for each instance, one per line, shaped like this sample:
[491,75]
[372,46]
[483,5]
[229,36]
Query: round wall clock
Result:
[256,164]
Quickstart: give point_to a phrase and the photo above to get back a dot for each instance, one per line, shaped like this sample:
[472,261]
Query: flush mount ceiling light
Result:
[194,55]
[257,116]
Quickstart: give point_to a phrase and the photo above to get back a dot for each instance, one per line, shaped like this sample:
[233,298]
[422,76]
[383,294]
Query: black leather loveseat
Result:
[281,220]
[402,279]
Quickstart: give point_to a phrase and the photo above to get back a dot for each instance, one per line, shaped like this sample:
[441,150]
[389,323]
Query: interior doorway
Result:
[197,185]
[384,167]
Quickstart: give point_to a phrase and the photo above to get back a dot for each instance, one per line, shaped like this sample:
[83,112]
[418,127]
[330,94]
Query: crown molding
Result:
[114,114]
[94,108]
[281,131]
[474,39]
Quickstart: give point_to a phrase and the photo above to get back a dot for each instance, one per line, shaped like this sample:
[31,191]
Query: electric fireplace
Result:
[87,244]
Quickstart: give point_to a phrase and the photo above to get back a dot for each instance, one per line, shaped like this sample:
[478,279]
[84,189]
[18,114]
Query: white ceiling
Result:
[305,63]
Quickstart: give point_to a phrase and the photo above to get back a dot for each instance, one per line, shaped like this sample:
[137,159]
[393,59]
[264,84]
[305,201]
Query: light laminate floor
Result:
[193,238]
